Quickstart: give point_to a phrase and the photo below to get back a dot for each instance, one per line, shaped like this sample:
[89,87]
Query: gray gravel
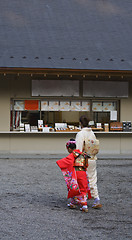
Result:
[33,202]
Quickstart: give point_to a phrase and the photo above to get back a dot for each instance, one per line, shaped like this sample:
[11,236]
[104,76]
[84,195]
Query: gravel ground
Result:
[33,202]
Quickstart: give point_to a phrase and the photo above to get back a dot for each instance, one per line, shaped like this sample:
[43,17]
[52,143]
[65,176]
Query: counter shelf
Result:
[64,132]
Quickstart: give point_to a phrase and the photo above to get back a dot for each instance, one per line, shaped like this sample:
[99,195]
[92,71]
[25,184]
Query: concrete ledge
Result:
[59,156]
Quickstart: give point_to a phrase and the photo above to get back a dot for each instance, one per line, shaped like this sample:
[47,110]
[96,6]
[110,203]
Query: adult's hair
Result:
[84,121]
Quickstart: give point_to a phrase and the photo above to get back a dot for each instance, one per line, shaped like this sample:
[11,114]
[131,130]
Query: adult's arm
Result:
[79,141]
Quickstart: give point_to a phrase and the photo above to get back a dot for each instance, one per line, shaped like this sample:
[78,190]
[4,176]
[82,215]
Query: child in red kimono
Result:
[74,168]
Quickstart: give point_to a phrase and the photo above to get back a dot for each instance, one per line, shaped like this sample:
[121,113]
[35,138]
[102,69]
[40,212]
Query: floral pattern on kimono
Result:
[92,147]
[70,175]
[71,182]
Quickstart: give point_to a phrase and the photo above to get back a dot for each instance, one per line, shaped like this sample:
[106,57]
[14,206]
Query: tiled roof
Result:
[85,34]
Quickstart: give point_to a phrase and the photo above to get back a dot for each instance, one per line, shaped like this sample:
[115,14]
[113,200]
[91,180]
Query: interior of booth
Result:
[49,118]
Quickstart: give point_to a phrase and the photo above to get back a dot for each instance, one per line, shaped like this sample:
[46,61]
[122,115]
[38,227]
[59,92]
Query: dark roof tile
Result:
[85,34]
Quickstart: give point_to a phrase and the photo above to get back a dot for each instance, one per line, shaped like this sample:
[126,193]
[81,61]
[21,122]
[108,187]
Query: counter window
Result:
[28,112]
[102,110]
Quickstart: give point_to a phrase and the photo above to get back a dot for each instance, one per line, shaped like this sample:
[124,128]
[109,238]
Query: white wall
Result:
[55,143]
[126,106]
[4,105]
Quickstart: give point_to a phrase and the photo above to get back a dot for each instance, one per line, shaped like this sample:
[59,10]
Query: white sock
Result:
[85,206]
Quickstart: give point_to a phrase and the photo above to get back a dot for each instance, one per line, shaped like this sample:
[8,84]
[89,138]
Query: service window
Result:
[25,114]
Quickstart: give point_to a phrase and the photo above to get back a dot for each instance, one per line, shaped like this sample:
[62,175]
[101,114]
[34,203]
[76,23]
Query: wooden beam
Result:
[70,72]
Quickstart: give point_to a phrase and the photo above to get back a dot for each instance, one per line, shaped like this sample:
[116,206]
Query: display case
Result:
[30,112]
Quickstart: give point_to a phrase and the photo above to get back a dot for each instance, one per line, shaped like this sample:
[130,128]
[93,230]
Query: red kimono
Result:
[76,181]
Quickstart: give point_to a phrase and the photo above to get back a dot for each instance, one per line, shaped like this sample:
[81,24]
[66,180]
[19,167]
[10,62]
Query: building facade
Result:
[61,60]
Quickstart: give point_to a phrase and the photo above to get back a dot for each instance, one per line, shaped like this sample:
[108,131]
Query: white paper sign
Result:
[113,115]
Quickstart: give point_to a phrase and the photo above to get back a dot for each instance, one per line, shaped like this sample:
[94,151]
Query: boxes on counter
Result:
[27,127]
[106,127]
[127,126]
[98,125]
[21,127]
[116,126]
[46,129]
[60,126]
[34,129]
[40,125]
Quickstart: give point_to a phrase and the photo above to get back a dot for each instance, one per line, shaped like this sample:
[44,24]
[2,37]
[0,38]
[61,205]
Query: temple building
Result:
[60,60]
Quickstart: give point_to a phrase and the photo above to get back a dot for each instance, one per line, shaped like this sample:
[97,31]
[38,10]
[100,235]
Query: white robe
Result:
[86,141]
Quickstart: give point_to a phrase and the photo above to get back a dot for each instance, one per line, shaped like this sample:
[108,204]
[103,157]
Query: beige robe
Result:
[86,141]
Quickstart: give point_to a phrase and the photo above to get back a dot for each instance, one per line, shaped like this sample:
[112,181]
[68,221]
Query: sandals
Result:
[72,206]
[84,209]
[97,204]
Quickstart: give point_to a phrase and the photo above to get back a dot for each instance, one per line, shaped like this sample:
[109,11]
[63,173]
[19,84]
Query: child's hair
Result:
[71,144]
